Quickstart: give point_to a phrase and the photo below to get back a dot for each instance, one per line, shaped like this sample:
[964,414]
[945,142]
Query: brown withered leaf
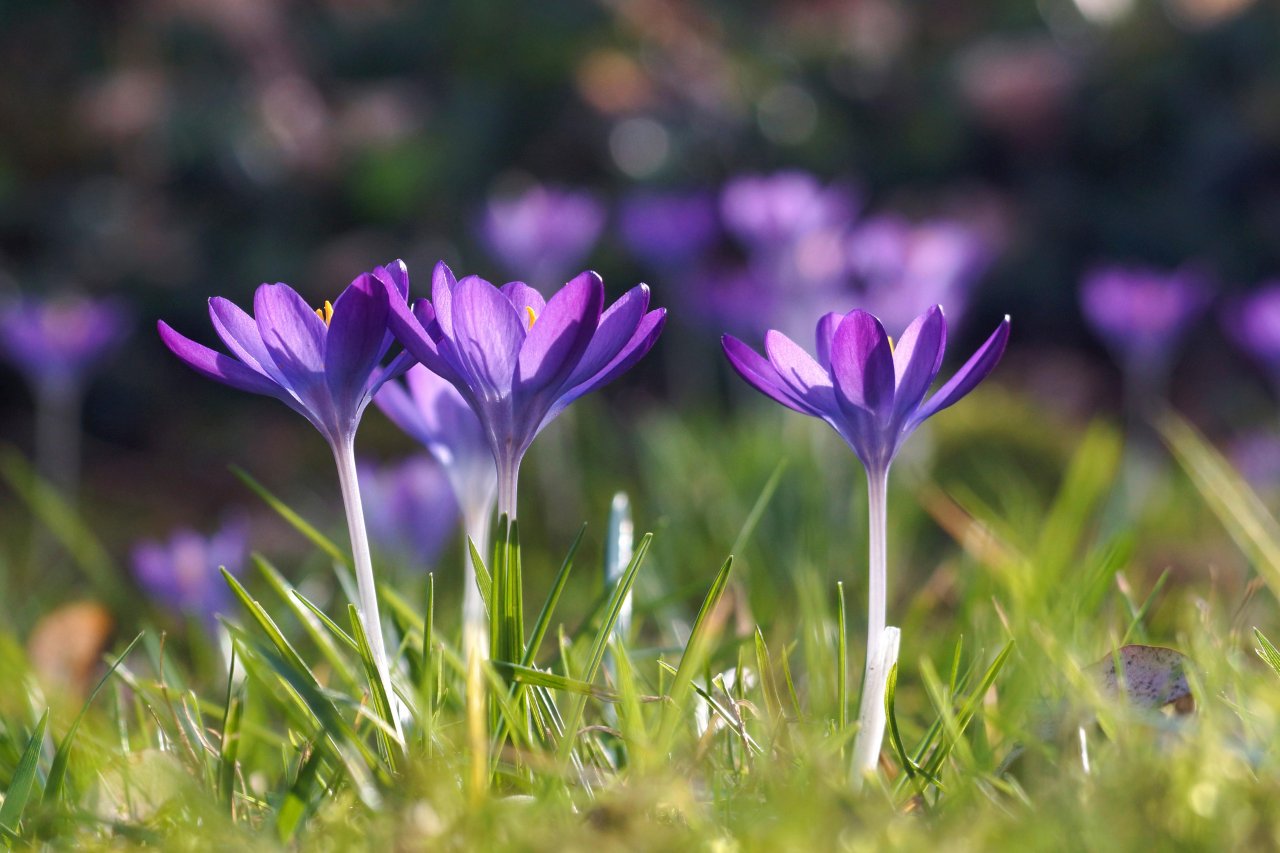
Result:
[66,646]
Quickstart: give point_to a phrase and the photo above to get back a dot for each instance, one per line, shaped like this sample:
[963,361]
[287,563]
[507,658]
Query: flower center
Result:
[533,318]
[325,313]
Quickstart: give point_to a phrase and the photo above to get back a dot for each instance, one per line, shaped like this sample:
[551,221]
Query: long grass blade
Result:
[58,770]
[24,778]
[695,654]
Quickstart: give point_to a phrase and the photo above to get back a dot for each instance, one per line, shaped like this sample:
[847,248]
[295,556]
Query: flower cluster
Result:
[486,368]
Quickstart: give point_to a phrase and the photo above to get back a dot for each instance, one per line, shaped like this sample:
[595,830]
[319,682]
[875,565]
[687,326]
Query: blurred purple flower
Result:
[182,573]
[764,211]
[668,230]
[901,268]
[544,233]
[870,391]
[518,359]
[1256,455]
[432,411]
[1140,313]
[61,340]
[1253,322]
[410,507]
[325,364]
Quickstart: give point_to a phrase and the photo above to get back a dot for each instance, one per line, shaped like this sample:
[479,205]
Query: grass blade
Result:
[1267,651]
[297,522]
[58,770]
[695,652]
[24,778]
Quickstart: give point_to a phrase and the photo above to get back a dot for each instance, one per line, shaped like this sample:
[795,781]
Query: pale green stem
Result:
[345,457]
[871,719]
[475,624]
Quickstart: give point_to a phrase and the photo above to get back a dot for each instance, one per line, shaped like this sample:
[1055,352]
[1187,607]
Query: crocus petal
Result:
[217,366]
[524,297]
[762,375]
[967,378]
[487,335]
[409,325]
[806,377]
[240,333]
[617,328]
[294,336]
[917,359]
[862,364]
[640,342]
[442,285]
[355,343]
[562,333]
[396,274]
[398,406]
[826,334]
[394,369]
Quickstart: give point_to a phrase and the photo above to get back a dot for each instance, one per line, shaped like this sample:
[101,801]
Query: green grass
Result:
[1010,579]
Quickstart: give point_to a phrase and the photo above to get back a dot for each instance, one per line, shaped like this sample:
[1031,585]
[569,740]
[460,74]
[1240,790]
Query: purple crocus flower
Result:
[668,230]
[410,508]
[1140,313]
[543,232]
[56,343]
[874,395]
[325,364]
[771,210]
[60,340]
[870,391]
[182,572]
[518,359]
[432,411]
[900,268]
[1254,324]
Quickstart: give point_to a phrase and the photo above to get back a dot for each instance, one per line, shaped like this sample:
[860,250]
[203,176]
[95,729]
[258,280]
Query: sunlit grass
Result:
[722,715]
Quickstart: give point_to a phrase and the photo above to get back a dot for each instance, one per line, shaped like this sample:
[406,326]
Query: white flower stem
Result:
[345,457]
[475,623]
[871,718]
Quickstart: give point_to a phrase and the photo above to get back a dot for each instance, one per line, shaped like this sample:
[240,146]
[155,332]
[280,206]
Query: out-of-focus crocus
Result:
[432,411]
[544,232]
[1140,314]
[668,230]
[874,394]
[326,364]
[410,508]
[769,210]
[1256,455]
[60,341]
[519,360]
[55,344]
[181,573]
[791,230]
[1254,324]
[900,268]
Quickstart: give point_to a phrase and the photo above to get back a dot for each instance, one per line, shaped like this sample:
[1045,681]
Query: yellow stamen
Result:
[890,337]
[533,318]
[326,313]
